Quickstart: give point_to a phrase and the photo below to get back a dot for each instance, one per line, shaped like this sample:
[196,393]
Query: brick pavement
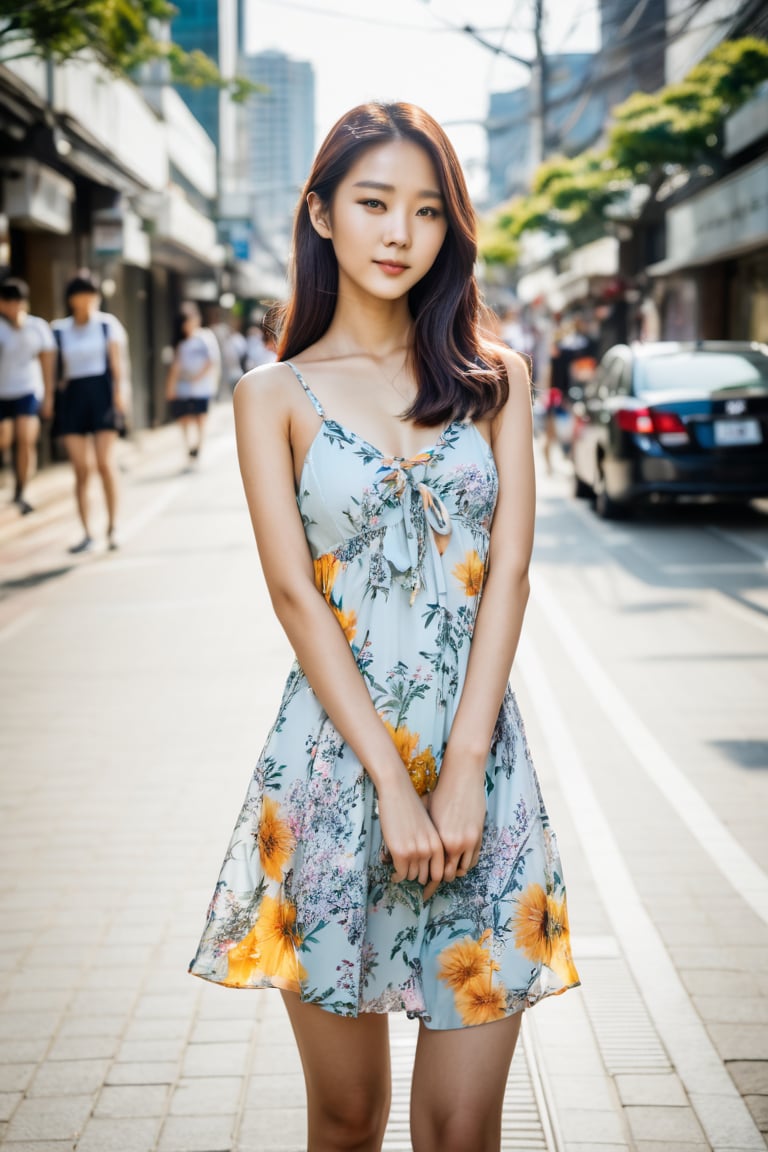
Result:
[137,689]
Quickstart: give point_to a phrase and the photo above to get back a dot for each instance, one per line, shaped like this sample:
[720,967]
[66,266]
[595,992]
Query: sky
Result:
[409,50]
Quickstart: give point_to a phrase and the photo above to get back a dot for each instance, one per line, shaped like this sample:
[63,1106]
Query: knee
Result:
[353,1122]
[464,1127]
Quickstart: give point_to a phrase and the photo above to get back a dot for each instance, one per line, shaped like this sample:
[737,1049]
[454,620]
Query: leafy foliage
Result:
[682,124]
[119,34]
[653,136]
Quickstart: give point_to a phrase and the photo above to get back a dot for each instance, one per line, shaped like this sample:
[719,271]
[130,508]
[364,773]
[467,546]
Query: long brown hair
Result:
[459,373]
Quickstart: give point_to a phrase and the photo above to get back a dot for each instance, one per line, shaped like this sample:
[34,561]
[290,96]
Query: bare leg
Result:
[346,1071]
[27,431]
[184,424]
[6,437]
[77,450]
[105,462]
[199,422]
[459,1078]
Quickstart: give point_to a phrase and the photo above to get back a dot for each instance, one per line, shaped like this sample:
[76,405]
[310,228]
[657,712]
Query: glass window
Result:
[702,371]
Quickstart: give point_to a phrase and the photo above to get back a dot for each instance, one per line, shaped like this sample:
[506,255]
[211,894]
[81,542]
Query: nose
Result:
[396,232]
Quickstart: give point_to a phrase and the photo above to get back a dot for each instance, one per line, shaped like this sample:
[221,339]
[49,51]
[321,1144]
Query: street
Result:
[138,687]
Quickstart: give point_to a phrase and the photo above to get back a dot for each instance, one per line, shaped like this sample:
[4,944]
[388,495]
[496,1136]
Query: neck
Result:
[366,327]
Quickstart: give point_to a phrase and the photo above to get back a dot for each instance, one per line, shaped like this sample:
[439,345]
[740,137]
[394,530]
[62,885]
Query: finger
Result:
[430,889]
[451,869]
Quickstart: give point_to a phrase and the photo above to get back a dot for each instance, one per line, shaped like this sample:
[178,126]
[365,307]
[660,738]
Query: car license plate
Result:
[728,432]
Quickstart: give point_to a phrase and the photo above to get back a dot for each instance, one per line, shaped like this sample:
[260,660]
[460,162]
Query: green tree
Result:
[654,138]
[120,34]
[682,124]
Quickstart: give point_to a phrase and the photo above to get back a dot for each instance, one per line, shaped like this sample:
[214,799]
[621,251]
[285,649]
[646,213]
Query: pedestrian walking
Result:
[193,377]
[393,852]
[573,360]
[27,357]
[89,405]
[260,346]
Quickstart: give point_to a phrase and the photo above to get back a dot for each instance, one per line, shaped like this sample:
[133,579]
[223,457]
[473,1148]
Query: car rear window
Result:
[702,371]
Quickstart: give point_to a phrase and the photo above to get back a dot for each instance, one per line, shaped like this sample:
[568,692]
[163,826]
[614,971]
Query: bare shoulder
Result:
[518,371]
[266,390]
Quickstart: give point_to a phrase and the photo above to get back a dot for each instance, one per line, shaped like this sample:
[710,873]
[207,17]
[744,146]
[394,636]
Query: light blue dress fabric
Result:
[305,900]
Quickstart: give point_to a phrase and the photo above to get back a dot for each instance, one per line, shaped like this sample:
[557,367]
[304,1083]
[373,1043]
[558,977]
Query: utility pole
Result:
[537,68]
[538,89]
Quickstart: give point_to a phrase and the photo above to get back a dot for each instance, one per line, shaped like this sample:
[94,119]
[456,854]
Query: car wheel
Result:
[605,507]
[581,490]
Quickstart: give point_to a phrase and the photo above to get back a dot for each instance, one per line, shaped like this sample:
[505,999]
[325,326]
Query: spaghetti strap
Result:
[315,402]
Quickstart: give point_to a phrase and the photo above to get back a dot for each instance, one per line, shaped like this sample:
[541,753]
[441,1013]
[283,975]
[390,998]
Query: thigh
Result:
[6,433]
[104,445]
[77,451]
[345,1061]
[27,428]
[459,1079]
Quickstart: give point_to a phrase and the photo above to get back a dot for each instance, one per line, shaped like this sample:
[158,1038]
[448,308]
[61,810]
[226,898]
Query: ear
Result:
[318,215]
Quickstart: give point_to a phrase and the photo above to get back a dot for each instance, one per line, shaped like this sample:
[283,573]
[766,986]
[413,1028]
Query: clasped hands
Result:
[434,838]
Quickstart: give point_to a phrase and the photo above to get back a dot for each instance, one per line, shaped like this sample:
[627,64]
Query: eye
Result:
[372,203]
[428,211]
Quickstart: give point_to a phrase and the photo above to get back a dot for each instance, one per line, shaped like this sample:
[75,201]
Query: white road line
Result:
[749,880]
[716,568]
[741,543]
[720,1109]
[752,616]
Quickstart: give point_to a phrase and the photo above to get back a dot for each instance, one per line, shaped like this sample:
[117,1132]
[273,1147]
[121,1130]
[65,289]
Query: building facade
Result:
[281,141]
[95,172]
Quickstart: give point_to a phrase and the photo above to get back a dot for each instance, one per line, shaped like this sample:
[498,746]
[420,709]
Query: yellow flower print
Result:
[269,949]
[348,621]
[481,1001]
[326,570]
[465,961]
[423,772]
[542,932]
[471,573]
[275,840]
[421,765]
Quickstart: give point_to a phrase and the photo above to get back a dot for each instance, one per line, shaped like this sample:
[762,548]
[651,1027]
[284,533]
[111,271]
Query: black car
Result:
[666,420]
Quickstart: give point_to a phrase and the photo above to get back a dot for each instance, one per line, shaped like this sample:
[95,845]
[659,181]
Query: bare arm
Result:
[171,379]
[262,421]
[458,804]
[116,369]
[47,365]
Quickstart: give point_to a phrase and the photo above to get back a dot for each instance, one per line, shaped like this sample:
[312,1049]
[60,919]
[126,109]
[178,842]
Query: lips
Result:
[391,267]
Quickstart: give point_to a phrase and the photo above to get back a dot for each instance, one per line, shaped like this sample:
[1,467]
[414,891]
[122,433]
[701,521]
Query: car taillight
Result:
[647,421]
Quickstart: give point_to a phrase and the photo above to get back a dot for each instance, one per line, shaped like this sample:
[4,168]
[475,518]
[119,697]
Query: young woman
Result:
[393,852]
[89,402]
[27,356]
[193,377]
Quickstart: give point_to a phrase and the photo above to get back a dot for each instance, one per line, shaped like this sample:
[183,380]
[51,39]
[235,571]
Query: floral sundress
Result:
[305,900]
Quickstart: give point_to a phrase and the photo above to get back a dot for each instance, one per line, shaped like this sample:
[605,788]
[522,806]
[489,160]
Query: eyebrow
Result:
[427,193]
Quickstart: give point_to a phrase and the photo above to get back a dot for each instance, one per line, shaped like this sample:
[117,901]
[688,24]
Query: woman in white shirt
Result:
[88,398]
[27,354]
[193,377]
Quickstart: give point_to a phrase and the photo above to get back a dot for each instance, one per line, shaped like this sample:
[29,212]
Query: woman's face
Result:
[83,305]
[386,220]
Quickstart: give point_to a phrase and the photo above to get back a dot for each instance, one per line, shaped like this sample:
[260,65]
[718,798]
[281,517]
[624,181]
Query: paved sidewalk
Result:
[137,689]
